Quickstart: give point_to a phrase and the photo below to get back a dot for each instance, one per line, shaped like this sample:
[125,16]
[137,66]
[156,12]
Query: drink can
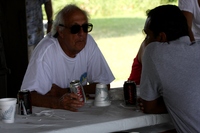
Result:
[77,88]
[24,102]
[130,93]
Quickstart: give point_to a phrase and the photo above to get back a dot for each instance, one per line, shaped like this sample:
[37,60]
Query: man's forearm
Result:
[49,100]
[154,107]
[158,110]
[44,100]
[57,91]
[49,11]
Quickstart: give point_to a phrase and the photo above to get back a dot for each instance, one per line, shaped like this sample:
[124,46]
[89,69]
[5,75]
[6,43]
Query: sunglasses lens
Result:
[85,28]
[90,26]
[75,29]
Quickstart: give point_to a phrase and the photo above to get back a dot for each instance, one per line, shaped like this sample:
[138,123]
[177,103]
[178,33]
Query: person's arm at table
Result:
[136,70]
[141,50]
[156,106]
[189,17]
[57,98]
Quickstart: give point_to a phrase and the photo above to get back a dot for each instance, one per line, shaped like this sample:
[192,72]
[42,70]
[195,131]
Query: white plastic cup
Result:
[101,95]
[7,109]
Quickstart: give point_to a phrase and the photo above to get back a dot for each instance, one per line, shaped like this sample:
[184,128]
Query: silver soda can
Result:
[24,102]
[77,88]
[130,93]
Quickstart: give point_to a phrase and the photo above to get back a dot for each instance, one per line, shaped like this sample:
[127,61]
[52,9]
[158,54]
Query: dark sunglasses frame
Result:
[74,29]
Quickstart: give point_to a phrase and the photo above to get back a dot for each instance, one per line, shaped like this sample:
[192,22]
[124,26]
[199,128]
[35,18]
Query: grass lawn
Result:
[119,40]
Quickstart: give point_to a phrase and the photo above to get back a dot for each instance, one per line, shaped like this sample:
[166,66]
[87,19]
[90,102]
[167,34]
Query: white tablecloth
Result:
[89,119]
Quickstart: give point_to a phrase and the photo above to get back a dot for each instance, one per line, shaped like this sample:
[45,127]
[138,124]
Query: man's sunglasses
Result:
[74,29]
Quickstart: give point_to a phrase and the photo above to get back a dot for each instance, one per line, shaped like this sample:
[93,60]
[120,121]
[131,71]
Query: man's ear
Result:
[60,32]
[162,37]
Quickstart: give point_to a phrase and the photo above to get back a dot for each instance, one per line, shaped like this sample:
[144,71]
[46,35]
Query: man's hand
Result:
[156,106]
[57,98]
[140,104]
[71,101]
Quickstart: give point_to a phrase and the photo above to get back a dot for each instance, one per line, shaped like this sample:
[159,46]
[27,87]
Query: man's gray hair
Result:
[59,19]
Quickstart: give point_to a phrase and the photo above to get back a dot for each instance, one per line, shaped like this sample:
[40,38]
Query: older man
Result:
[68,53]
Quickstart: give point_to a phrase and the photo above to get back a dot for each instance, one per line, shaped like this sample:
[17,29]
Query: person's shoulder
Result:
[45,47]
[187,5]
[90,46]
[46,42]
[153,45]
[90,41]
[156,48]
[49,39]
[90,38]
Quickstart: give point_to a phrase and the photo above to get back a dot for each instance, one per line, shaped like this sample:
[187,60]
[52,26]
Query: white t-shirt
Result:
[192,6]
[50,65]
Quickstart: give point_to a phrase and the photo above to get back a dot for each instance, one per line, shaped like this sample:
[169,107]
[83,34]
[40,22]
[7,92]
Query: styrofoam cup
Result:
[7,109]
[102,95]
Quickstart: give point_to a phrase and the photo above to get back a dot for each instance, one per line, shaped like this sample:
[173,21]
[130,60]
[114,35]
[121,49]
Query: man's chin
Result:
[80,47]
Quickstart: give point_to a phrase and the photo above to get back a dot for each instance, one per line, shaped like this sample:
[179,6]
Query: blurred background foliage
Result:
[107,8]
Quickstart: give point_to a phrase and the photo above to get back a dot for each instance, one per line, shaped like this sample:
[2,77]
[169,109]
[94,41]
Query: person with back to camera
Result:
[191,10]
[170,69]
[67,53]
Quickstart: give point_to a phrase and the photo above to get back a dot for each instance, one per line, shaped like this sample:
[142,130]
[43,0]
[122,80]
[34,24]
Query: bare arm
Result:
[189,17]
[49,13]
[57,98]
[141,51]
[136,69]
[153,107]
[44,100]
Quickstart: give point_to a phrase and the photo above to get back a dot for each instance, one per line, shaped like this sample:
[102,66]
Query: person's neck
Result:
[65,49]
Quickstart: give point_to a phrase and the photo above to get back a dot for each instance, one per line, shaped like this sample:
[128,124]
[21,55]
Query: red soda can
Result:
[77,88]
[130,93]
[24,102]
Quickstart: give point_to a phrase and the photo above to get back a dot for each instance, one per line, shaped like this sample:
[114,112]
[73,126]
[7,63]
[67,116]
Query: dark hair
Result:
[168,19]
